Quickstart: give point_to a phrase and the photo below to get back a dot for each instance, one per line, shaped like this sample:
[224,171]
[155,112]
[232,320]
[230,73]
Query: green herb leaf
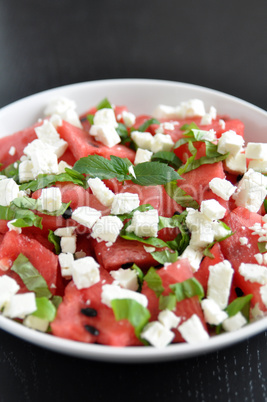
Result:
[207,252]
[47,180]
[153,174]
[140,276]
[12,172]
[90,118]
[180,196]
[55,240]
[154,281]
[56,300]
[238,305]
[165,256]
[35,204]
[123,133]
[24,218]
[147,123]
[152,241]
[167,302]
[262,247]
[167,157]
[141,208]
[132,311]
[187,289]
[104,104]
[32,279]
[45,309]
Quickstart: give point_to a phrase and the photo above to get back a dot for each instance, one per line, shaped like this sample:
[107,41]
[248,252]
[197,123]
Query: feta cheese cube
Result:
[36,323]
[191,108]
[25,171]
[258,165]
[44,162]
[56,120]
[230,142]
[126,278]
[263,293]
[236,164]
[51,199]
[142,155]
[8,288]
[234,323]
[111,292]
[101,191]
[72,117]
[62,166]
[208,117]
[145,224]
[106,134]
[251,191]
[105,116]
[68,244]
[20,305]
[194,257]
[212,209]
[167,126]
[12,151]
[212,312]
[222,187]
[107,229]
[66,262]
[142,140]
[219,230]
[59,105]
[47,133]
[9,190]
[166,112]
[169,319]
[256,150]
[162,142]
[86,216]
[192,330]
[157,335]
[66,231]
[253,273]
[128,118]
[219,283]
[124,203]
[85,272]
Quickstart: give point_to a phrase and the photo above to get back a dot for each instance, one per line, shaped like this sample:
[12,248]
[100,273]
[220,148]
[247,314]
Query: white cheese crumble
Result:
[142,155]
[253,273]
[169,319]
[144,224]
[66,231]
[192,330]
[51,199]
[212,209]
[126,278]
[20,305]
[234,323]
[222,187]
[219,283]
[194,257]
[128,118]
[213,314]
[25,171]
[157,334]
[9,190]
[85,272]
[124,203]
[104,127]
[86,216]
[68,244]
[101,191]
[65,108]
[8,288]
[12,151]
[236,164]
[230,142]
[107,229]
[111,292]
[66,262]
[256,150]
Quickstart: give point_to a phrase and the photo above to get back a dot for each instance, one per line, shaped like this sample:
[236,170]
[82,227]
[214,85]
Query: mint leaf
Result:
[47,180]
[165,256]
[153,174]
[132,311]
[45,309]
[30,276]
[180,196]
[104,104]
[55,240]
[123,133]
[167,302]
[147,123]
[187,289]
[167,157]
[154,281]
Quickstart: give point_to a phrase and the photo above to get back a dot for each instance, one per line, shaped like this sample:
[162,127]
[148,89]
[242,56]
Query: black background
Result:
[217,44]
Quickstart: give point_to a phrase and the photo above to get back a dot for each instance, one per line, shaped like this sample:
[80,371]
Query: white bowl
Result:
[140,96]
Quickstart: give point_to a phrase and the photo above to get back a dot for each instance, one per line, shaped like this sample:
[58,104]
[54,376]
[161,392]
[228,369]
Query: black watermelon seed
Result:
[239,177]
[92,330]
[67,214]
[89,312]
[239,292]
[177,213]
[127,265]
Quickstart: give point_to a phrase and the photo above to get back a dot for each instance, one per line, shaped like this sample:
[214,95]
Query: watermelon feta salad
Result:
[128,230]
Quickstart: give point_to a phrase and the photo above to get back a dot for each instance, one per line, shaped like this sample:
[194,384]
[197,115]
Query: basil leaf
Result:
[6,213]
[154,281]
[132,311]
[35,204]
[262,247]
[182,239]
[90,118]
[167,302]
[46,180]
[123,133]
[153,174]
[104,104]
[45,309]
[147,123]
[187,289]
[207,252]
[11,171]
[193,164]
[165,256]
[188,127]
[55,240]
[30,276]
[140,276]
[180,196]
[167,157]
[56,300]
[24,218]
[152,241]
[238,305]
[141,208]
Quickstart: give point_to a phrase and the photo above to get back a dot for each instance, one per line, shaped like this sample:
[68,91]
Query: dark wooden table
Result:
[221,45]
